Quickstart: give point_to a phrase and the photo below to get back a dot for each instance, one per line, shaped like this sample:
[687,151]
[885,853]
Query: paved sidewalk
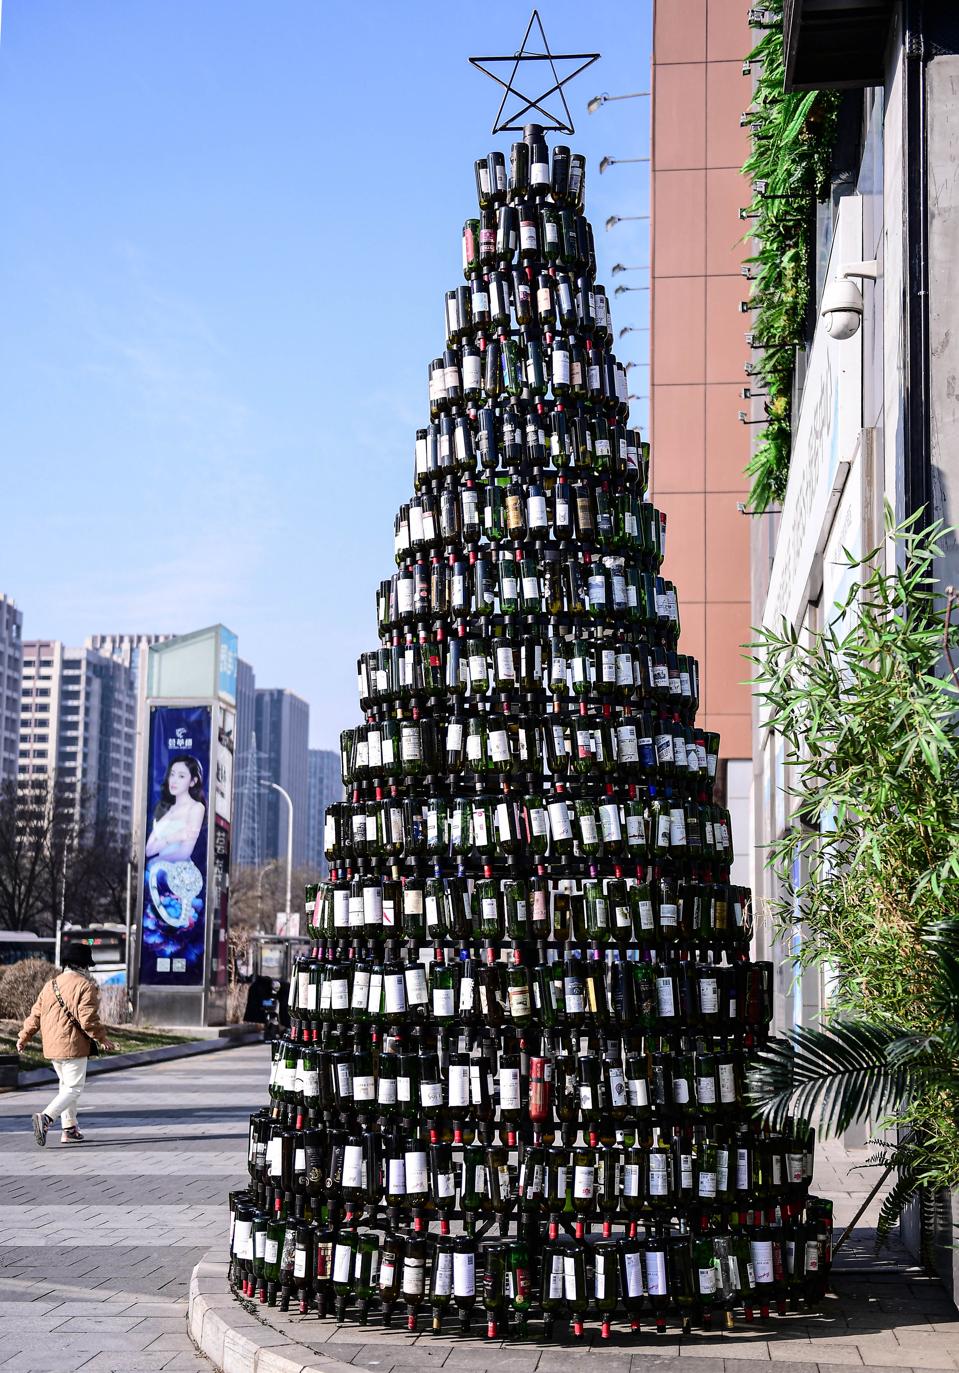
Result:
[97,1241]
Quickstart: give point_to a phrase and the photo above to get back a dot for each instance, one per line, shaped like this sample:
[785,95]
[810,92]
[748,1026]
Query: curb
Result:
[235,1340]
[112,1063]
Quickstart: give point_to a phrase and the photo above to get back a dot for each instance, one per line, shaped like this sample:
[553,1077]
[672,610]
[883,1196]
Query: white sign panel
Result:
[826,434]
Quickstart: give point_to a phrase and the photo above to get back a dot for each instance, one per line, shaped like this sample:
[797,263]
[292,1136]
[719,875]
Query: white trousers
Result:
[72,1073]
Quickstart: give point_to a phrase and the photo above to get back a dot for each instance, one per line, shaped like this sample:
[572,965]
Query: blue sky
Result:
[227,230]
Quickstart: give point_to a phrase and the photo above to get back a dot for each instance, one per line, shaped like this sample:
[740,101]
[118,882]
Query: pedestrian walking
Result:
[67,1014]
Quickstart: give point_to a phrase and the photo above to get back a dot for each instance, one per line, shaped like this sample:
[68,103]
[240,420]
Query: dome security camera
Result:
[842,302]
[842,307]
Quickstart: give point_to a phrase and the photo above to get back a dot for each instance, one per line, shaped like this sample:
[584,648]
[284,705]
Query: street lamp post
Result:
[598,101]
[621,219]
[605,162]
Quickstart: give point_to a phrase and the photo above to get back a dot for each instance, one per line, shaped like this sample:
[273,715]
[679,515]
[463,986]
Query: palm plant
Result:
[856,1072]
[869,732]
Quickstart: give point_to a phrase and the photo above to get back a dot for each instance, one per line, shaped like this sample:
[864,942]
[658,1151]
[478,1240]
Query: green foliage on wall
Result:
[792,137]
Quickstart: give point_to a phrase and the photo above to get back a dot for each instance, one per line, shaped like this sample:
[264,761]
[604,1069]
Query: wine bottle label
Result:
[271,1250]
[396,1175]
[631,1181]
[464,1274]
[395,994]
[527,237]
[658,1175]
[417,1175]
[583,1182]
[364,1087]
[573,995]
[562,512]
[467,988]
[417,992]
[656,1273]
[509,1089]
[559,823]
[355,908]
[342,1263]
[344,1079]
[665,999]
[386,1093]
[706,1090]
[722,1169]
[375,993]
[812,1256]
[742,1170]
[569,1277]
[459,1085]
[480,301]
[707,1281]
[472,372]
[414,1275]
[668,915]
[353,1166]
[556,1285]
[474,752]
[498,744]
[680,1092]
[431,1093]
[596,590]
[299,1262]
[587,829]
[599,1283]
[617,1087]
[341,910]
[340,994]
[609,821]
[794,1164]
[638,1091]
[707,1184]
[519,1003]
[777,1170]
[592,378]
[677,827]
[410,744]
[761,1252]
[443,1002]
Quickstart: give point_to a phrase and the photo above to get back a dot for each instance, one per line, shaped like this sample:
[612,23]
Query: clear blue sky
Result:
[226,234]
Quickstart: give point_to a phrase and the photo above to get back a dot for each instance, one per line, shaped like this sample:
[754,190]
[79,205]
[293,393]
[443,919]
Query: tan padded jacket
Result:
[60,1038]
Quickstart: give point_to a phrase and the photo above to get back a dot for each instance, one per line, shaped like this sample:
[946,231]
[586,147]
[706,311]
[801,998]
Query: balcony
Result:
[835,44]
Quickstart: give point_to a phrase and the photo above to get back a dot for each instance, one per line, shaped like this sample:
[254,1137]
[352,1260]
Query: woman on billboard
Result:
[177,822]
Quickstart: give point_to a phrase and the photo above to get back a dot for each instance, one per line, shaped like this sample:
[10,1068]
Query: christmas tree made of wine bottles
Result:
[513,1078]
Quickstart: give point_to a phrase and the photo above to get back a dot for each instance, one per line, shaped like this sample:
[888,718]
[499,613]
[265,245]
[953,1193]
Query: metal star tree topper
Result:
[512,122]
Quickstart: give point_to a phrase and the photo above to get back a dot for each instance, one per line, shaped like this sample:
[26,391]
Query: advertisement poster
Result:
[220,952]
[175,892]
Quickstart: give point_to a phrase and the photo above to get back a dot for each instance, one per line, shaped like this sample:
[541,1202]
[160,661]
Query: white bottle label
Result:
[707,1281]
[664,996]
[464,1274]
[353,1165]
[658,1176]
[583,1182]
[509,1089]
[727,1083]
[342,1263]
[761,1252]
[417,1175]
[656,1273]
[396,1176]
[559,820]
[443,1002]
[459,1085]
[443,1273]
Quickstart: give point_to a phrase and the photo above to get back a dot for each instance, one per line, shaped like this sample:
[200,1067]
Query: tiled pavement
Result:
[97,1241]
[97,1245]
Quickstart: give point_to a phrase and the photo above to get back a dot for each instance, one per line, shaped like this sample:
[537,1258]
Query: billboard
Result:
[226,667]
[175,886]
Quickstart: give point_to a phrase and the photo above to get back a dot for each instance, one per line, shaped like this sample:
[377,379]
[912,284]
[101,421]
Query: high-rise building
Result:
[282,727]
[697,351]
[78,725]
[325,787]
[246,847]
[11,670]
[129,649]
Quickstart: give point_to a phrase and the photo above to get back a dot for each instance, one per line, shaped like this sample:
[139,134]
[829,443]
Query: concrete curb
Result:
[235,1340]
[112,1063]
